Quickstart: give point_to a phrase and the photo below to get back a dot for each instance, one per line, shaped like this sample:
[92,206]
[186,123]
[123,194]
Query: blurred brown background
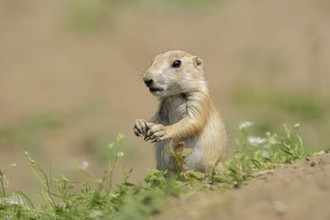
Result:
[71,73]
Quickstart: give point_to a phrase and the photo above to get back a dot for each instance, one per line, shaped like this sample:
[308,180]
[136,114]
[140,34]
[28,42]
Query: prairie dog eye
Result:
[176,64]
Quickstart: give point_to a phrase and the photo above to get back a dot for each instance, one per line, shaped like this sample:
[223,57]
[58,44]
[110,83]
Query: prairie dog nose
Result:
[148,81]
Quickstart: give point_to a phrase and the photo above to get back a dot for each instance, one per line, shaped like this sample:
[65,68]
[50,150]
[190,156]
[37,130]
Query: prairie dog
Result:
[185,114]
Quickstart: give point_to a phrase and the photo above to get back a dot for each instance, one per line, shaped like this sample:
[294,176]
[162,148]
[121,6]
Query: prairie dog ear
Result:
[198,63]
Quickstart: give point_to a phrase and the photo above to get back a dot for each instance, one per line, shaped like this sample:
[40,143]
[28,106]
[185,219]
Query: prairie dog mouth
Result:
[156,89]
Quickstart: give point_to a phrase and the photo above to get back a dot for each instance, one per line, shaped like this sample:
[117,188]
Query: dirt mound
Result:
[297,191]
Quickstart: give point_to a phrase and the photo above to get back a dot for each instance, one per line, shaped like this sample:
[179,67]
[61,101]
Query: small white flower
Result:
[15,200]
[245,124]
[255,141]
[273,141]
[62,205]
[95,214]
[120,154]
[84,165]
[114,195]
[265,153]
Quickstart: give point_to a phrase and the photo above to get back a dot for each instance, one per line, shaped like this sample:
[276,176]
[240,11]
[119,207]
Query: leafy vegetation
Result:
[96,198]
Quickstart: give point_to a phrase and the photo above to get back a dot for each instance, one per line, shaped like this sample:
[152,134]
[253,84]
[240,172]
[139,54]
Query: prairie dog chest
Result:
[173,109]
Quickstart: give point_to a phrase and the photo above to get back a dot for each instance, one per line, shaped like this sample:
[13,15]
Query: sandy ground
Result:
[297,191]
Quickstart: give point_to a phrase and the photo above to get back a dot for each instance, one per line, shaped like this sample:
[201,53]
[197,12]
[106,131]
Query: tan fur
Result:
[186,113]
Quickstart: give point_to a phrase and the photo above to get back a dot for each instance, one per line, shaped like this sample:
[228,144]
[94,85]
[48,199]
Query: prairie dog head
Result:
[174,72]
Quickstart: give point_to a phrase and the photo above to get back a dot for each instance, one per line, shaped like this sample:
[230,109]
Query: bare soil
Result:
[297,191]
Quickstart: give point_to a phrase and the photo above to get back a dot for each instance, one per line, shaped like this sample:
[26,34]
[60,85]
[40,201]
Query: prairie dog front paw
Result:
[140,127]
[156,132]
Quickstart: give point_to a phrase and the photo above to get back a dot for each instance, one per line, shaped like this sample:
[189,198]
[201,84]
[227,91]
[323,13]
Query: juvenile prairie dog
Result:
[185,114]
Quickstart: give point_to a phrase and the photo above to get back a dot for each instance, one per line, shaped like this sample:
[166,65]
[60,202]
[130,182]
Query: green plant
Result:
[257,154]
[4,180]
[113,155]
[98,199]
[179,152]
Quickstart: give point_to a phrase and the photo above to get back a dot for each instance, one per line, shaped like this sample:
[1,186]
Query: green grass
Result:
[305,106]
[30,131]
[98,198]
[268,108]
